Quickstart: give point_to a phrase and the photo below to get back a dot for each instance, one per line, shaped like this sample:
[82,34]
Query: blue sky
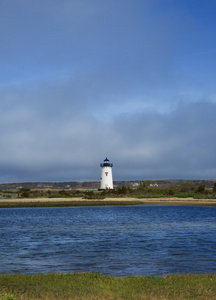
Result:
[84,79]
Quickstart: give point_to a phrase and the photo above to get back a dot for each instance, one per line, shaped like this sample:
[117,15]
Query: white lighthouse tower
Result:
[106,175]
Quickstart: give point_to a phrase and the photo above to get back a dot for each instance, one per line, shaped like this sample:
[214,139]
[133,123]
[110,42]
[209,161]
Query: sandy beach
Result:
[147,201]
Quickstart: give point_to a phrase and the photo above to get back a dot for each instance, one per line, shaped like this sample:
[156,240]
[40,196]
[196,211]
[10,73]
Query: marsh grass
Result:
[97,286]
[12,204]
[6,297]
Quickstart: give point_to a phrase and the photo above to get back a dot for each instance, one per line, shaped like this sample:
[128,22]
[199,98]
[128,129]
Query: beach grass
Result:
[97,286]
[61,203]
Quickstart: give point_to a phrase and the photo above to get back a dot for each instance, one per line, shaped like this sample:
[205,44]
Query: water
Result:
[115,240]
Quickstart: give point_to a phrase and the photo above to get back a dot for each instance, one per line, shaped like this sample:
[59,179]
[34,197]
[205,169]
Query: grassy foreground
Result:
[97,286]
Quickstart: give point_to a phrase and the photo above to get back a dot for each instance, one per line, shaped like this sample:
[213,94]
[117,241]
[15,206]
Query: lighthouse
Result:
[106,175]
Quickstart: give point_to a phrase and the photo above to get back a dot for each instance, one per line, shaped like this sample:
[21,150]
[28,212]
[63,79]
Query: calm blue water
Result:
[116,240]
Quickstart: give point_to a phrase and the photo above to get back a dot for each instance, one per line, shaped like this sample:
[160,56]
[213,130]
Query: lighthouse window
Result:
[106,173]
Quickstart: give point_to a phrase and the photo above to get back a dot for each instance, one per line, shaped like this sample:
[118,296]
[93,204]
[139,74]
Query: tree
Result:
[214,188]
[201,189]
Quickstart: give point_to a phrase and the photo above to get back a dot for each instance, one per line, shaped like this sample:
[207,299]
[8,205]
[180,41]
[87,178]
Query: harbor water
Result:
[114,240]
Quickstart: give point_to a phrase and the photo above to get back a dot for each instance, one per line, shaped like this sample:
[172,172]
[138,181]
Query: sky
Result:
[131,80]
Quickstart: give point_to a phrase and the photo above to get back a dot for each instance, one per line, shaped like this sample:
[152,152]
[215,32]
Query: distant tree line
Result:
[145,189]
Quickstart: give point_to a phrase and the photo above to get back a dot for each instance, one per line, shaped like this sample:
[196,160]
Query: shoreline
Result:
[41,202]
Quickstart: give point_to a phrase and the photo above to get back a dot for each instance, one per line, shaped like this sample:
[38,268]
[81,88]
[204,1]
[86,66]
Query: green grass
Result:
[6,297]
[97,286]
[11,204]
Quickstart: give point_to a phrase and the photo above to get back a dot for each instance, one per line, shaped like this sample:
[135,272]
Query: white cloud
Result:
[180,144]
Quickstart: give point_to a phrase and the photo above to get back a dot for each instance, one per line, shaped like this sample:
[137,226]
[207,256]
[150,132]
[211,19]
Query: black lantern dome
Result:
[106,163]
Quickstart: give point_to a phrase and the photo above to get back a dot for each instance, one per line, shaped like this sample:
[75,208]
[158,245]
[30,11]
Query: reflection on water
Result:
[116,240]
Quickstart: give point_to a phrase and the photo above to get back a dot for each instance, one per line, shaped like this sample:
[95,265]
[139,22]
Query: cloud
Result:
[39,146]
[178,145]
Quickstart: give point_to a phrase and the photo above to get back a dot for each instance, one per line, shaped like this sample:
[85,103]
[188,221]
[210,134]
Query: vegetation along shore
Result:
[96,286]
[184,193]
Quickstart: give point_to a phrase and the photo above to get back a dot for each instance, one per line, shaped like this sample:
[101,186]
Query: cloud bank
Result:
[53,142]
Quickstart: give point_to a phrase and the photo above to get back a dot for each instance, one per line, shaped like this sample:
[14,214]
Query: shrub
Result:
[6,297]
[170,191]
[200,189]
[63,193]
[25,194]
[186,186]
[214,188]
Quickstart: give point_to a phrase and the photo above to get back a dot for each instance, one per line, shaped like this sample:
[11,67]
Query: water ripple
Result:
[120,241]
